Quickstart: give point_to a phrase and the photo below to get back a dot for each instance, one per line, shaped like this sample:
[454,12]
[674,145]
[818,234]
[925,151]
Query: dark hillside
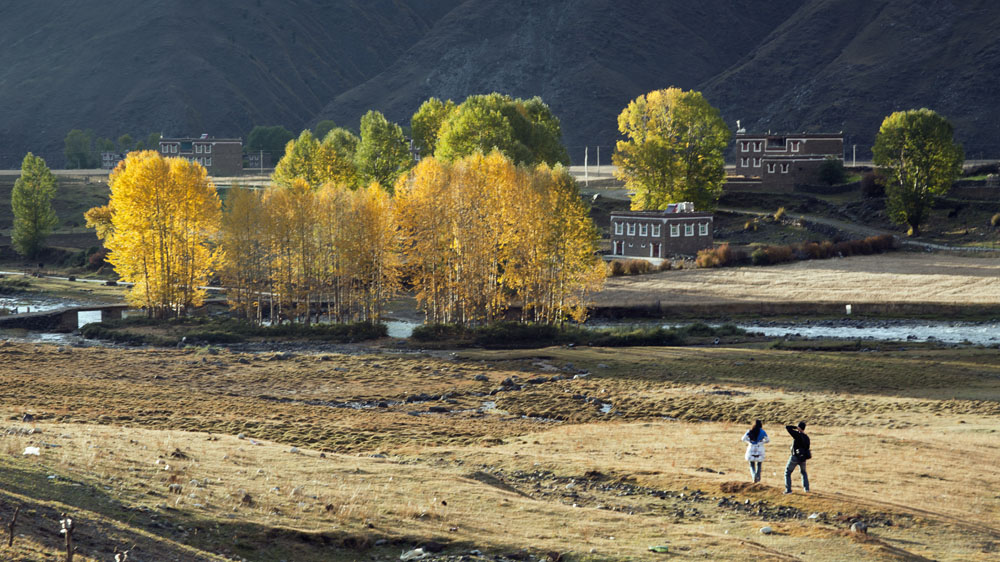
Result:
[586,58]
[187,67]
[846,64]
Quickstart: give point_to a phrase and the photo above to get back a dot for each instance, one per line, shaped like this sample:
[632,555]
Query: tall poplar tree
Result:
[31,201]
[922,160]
[674,150]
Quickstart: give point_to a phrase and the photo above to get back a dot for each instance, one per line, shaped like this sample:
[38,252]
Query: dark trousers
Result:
[794,461]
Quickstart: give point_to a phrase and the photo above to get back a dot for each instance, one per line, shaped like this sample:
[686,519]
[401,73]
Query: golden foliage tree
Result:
[164,214]
[481,233]
[245,265]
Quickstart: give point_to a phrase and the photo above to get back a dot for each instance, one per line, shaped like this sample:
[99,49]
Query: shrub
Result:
[723,255]
[750,225]
[872,185]
[832,172]
[779,214]
[995,220]
[617,269]
[665,265]
[779,254]
[437,332]
[98,259]
[759,257]
[637,267]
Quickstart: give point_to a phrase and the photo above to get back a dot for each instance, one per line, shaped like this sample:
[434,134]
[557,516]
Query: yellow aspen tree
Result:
[244,267]
[424,215]
[291,220]
[375,248]
[165,213]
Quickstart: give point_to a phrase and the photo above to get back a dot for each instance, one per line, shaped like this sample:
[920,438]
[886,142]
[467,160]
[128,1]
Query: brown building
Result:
[660,234]
[782,161]
[220,157]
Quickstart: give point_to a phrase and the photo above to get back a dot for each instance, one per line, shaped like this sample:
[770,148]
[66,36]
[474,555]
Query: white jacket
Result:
[755,451]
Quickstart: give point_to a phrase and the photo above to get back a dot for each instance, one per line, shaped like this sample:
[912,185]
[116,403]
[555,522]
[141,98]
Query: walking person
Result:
[800,454]
[755,438]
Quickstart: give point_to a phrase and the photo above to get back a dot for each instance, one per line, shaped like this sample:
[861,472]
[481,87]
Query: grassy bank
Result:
[514,335]
[210,331]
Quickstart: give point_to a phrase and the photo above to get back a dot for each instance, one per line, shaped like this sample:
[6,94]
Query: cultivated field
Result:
[591,454]
[898,277]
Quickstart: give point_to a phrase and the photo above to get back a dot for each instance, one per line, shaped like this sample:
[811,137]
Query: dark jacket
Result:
[800,443]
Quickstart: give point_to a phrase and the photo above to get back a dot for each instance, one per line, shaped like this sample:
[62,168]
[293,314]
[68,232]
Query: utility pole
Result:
[598,161]
[586,171]
[262,161]
[854,158]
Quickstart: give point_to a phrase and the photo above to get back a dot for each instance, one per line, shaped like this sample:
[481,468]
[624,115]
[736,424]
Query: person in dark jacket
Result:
[800,454]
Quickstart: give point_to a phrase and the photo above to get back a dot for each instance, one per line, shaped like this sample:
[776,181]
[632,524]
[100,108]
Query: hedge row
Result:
[725,255]
[216,331]
[514,334]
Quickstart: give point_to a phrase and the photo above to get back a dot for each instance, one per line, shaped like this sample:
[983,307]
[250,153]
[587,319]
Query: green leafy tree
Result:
[80,149]
[674,150]
[126,143]
[105,145]
[921,159]
[383,154]
[323,127]
[426,124]
[298,162]
[31,200]
[525,131]
[269,139]
[832,172]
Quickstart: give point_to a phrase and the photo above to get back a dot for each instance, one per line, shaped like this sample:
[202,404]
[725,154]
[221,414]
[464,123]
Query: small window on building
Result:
[744,145]
[643,229]
[618,228]
[744,162]
[794,145]
[631,229]
[689,229]
[703,229]
[784,168]
[675,230]
[656,231]
[208,149]
[756,162]
[197,148]
[208,161]
[770,167]
[757,146]
[173,148]
[165,148]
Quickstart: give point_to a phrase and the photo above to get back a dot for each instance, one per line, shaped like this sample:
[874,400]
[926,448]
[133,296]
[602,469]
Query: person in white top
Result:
[755,438]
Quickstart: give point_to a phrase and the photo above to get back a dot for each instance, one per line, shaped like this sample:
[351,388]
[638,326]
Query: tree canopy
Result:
[268,139]
[382,155]
[673,150]
[921,159]
[318,163]
[31,201]
[80,149]
[526,131]
[426,123]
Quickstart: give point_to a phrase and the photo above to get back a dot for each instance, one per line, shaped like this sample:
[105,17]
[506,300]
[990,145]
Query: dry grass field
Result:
[592,454]
[899,277]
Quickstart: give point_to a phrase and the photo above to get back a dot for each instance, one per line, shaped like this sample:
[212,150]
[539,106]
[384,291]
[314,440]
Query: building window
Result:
[643,229]
[631,229]
[757,145]
[794,145]
[756,162]
[703,229]
[208,149]
[675,230]
[173,148]
[770,167]
[689,229]
[197,148]
[656,231]
[165,148]
[208,161]
[744,145]
[744,162]
[784,168]
[618,228]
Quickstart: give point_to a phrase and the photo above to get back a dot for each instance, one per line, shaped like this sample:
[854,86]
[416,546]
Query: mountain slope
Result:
[586,58]
[187,67]
[846,64]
